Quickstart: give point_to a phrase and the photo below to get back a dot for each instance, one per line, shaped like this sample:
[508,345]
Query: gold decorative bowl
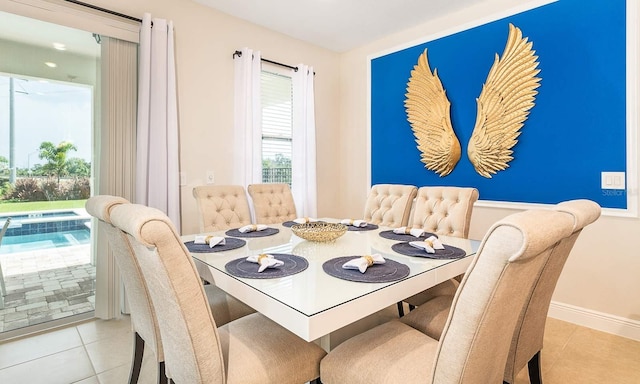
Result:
[319,232]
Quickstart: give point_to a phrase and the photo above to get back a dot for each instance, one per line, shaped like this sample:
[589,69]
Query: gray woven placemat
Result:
[242,268]
[265,232]
[378,273]
[404,237]
[229,244]
[448,252]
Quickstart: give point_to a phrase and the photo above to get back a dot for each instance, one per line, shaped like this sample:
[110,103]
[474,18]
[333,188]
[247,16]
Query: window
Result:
[277,121]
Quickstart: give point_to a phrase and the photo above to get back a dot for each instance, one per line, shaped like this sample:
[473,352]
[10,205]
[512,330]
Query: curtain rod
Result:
[239,54]
[94,7]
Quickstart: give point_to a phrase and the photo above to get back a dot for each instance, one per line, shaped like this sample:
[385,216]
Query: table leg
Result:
[324,342]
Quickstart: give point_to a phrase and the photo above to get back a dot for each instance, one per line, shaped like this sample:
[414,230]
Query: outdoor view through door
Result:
[46,126]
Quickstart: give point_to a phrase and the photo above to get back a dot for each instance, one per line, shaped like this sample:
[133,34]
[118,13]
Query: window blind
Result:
[277,115]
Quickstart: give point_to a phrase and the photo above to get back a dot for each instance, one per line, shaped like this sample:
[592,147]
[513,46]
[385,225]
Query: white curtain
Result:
[157,167]
[247,150]
[303,158]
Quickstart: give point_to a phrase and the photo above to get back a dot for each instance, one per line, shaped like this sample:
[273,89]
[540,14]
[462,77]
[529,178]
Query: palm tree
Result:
[56,157]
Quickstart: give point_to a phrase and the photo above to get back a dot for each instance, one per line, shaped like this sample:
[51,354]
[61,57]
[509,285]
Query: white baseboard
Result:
[604,322]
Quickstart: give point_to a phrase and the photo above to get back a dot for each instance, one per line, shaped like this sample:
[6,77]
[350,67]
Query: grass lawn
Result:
[40,205]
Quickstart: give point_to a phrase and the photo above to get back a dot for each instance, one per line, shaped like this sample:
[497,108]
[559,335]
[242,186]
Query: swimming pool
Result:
[25,243]
[30,231]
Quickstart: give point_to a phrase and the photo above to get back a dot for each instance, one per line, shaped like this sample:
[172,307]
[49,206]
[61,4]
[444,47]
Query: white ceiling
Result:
[39,33]
[338,25]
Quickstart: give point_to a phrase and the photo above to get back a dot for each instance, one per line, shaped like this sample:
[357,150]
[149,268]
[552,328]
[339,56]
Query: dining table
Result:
[310,302]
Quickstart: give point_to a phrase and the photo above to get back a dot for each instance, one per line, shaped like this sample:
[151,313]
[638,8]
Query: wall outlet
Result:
[209,178]
[613,180]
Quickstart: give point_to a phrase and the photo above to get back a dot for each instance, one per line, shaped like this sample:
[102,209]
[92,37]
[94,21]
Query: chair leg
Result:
[411,307]
[317,381]
[162,374]
[138,352]
[535,375]
[400,309]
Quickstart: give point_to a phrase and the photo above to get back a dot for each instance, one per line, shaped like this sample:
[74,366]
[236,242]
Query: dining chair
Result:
[389,204]
[476,339]
[527,341]
[222,207]
[272,203]
[144,322]
[252,349]
[443,211]
[528,338]
[3,288]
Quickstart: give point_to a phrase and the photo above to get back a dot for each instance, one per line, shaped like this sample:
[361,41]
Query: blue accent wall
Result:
[576,130]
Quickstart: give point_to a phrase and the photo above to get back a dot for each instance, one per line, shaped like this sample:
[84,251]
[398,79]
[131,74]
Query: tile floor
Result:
[99,351]
[46,285]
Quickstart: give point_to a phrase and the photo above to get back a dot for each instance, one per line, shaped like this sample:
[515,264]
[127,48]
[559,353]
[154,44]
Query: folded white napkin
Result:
[304,220]
[430,245]
[265,261]
[355,223]
[252,227]
[417,232]
[362,263]
[211,240]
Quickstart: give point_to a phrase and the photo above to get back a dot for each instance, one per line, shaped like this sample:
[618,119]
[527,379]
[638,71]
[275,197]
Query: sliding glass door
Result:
[48,90]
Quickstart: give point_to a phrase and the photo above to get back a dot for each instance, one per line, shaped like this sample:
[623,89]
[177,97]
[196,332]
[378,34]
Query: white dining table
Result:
[312,303]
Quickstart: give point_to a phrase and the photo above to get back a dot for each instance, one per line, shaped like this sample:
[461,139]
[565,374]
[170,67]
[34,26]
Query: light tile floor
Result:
[100,352]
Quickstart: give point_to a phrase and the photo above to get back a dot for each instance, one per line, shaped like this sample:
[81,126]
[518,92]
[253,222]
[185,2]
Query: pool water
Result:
[37,241]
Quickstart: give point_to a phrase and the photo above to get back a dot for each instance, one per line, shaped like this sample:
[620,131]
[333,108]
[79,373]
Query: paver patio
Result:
[45,285]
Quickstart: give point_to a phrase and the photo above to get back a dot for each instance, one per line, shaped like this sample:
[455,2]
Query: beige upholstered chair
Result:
[222,207]
[443,211]
[272,203]
[252,349]
[143,318]
[475,342]
[389,204]
[527,340]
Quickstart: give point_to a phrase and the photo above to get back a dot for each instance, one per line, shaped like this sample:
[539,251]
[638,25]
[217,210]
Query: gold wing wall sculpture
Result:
[503,106]
[428,112]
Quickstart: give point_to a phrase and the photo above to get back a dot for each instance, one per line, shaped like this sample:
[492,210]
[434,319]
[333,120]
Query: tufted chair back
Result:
[272,203]
[389,204]
[444,210]
[222,207]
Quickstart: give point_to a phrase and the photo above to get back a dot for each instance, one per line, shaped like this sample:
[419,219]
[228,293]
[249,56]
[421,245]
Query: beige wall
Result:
[205,42]
[603,273]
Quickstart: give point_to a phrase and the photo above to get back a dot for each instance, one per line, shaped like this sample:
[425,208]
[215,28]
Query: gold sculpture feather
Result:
[504,104]
[428,112]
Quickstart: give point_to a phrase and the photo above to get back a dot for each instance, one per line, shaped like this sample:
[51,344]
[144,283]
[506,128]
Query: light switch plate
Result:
[613,180]
[210,179]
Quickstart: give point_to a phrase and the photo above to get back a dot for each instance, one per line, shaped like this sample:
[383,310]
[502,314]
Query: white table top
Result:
[312,303]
